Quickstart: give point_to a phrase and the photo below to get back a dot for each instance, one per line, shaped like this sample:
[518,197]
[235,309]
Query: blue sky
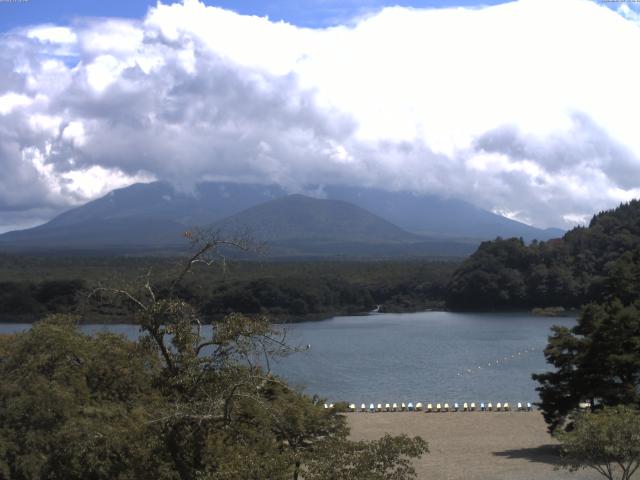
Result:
[308,13]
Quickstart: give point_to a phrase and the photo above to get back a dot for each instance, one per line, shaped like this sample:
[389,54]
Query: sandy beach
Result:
[474,445]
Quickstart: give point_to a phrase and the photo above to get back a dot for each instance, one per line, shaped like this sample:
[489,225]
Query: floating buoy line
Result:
[502,360]
[456,407]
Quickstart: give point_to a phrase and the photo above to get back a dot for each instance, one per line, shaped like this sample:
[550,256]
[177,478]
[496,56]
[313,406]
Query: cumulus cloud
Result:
[518,108]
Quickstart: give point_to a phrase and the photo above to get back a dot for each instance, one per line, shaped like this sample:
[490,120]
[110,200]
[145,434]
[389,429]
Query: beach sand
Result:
[473,445]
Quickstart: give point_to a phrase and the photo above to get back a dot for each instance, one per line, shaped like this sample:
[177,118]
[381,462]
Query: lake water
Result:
[427,356]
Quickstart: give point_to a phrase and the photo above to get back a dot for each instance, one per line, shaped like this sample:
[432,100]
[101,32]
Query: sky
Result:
[527,108]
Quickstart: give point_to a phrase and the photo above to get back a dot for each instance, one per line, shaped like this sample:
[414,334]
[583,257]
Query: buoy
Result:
[418,406]
[473,406]
[429,408]
[465,407]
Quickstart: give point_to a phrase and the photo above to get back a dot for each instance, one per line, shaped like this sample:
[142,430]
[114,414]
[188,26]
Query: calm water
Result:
[428,356]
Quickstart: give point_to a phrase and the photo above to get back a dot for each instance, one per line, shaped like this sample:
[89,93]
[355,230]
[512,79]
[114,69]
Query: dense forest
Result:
[283,290]
[589,264]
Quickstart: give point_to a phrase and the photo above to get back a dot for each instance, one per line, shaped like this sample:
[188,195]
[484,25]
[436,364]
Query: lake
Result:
[427,356]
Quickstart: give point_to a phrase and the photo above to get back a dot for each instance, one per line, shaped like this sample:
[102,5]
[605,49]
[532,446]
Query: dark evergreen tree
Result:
[597,361]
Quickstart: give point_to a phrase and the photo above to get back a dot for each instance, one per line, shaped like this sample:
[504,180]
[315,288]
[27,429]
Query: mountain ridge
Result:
[155,215]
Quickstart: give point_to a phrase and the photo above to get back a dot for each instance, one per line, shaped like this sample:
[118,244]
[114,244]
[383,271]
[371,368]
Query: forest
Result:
[286,291]
[589,264]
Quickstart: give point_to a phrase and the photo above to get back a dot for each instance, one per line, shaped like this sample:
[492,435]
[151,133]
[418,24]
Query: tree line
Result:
[283,291]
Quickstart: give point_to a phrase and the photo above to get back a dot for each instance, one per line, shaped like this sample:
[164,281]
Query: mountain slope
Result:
[297,225]
[298,217]
[438,217]
[141,216]
[207,203]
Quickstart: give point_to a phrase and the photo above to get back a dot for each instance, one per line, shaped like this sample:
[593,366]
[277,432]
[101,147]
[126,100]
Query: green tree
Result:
[607,441]
[76,407]
[598,361]
[594,264]
[386,459]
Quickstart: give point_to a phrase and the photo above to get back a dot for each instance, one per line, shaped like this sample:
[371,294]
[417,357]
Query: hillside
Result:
[297,217]
[588,264]
[297,225]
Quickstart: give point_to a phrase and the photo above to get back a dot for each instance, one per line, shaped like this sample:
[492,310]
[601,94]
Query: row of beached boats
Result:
[438,407]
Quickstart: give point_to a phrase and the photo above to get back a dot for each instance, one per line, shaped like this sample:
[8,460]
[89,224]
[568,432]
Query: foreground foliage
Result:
[75,406]
[183,402]
[607,441]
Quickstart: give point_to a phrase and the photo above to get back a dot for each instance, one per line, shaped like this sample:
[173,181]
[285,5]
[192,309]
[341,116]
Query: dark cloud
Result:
[585,144]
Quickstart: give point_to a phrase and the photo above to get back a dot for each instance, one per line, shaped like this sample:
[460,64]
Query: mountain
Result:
[153,217]
[302,218]
[297,225]
[207,203]
[438,217]
[141,216]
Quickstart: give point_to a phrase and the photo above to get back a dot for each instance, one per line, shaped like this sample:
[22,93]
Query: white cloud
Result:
[52,34]
[11,100]
[519,108]
[97,181]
